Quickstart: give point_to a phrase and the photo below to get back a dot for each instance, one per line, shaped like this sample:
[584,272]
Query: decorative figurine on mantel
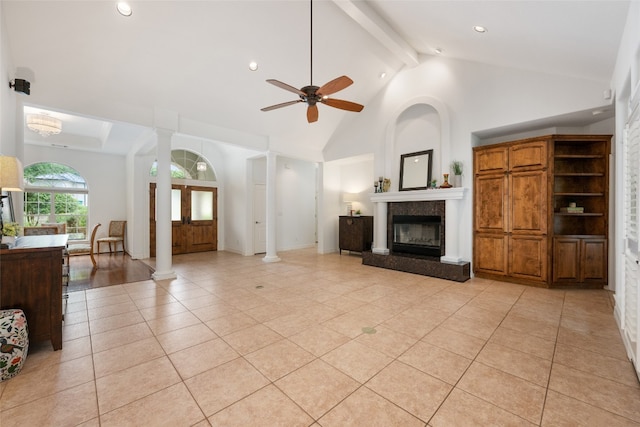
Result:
[382,185]
[445,184]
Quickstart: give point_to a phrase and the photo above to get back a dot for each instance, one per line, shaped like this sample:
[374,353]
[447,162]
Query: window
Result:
[56,193]
[187,165]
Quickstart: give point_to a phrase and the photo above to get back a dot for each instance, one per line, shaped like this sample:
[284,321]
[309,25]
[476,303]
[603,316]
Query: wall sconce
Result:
[11,179]
[21,85]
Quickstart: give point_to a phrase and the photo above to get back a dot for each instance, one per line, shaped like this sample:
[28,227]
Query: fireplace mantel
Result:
[452,196]
[454,193]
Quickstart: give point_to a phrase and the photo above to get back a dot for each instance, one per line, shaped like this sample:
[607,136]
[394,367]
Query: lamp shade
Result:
[349,197]
[11,174]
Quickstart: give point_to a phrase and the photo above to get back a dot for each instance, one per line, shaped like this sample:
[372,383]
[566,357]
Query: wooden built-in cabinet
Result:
[355,233]
[521,232]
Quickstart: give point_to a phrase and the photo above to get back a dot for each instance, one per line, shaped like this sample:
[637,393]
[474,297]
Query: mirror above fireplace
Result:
[415,170]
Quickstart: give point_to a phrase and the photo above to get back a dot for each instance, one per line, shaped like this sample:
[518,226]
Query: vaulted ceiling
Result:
[107,76]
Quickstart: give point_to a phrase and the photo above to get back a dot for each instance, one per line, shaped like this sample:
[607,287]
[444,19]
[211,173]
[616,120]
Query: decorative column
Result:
[380,230]
[163,207]
[452,220]
[272,255]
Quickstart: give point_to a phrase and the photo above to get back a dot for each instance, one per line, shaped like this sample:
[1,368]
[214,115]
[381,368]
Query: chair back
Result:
[39,231]
[61,226]
[93,235]
[116,228]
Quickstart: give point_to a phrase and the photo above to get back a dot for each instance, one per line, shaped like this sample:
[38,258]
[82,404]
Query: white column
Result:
[272,255]
[380,230]
[163,207]
[452,218]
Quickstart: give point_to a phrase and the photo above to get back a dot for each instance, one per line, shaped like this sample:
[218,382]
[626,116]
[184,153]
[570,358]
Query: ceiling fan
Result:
[313,95]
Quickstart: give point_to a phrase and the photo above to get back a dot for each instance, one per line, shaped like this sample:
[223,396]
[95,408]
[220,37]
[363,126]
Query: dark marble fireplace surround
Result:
[413,263]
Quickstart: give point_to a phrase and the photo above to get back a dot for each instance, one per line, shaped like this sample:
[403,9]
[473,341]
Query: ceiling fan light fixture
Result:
[43,124]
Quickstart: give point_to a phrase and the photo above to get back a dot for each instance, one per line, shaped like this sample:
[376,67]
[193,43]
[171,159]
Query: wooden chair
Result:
[116,234]
[39,231]
[84,248]
[61,226]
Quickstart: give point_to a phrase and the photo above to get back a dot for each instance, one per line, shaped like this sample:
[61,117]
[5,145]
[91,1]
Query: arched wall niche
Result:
[418,125]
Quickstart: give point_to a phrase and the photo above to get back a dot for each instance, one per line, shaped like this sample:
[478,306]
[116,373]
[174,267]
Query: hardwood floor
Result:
[112,269]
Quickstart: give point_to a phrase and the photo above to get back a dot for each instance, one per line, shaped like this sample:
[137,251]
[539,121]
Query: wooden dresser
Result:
[355,233]
[31,280]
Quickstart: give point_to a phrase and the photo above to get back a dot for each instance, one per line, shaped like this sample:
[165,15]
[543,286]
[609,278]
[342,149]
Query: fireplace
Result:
[417,234]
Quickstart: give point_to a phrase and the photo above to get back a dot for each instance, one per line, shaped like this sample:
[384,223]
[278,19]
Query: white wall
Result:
[470,97]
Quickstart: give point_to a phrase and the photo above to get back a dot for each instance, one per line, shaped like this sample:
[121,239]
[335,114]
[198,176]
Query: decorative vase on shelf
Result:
[457,180]
[445,184]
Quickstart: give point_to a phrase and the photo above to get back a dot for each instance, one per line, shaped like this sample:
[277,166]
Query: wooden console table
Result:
[31,279]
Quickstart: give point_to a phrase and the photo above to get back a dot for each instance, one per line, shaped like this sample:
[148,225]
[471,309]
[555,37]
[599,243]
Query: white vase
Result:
[457,180]
[9,240]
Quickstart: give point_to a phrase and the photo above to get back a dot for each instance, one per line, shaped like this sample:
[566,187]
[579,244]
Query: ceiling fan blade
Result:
[286,87]
[312,113]
[343,105]
[335,85]
[284,104]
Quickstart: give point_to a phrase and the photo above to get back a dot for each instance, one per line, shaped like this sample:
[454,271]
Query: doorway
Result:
[259,219]
[194,219]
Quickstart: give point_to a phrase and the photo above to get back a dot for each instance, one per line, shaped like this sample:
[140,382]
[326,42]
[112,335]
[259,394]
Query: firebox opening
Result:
[417,234]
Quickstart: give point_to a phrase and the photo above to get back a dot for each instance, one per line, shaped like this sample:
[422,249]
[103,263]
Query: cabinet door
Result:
[528,257]
[490,254]
[566,259]
[528,156]
[528,202]
[350,234]
[593,260]
[490,196]
[490,160]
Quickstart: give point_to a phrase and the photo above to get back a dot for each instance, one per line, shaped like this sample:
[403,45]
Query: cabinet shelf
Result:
[579,194]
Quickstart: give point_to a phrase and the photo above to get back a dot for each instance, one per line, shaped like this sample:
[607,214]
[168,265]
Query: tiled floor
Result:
[321,340]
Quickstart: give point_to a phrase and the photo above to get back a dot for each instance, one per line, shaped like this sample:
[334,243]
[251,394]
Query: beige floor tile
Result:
[75,317]
[317,387]
[46,381]
[41,354]
[290,324]
[124,387]
[347,324]
[224,325]
[105,324]
[436,362]
[117,337]
[75,331]
[463,409]
[366,408]
[185,337]
[224,385]
[162,310]
[267,312]
[600,392]
[111,310]
[514,362]
[612,368]
[202,357]
[105,292]
[526,343]
[416,323]
[488,317]
[252,338]
[357,360]
[215,311]
[170,406]
[110,300]
[278,359]
[528,327]
[125,356]
[611,346]
[387,341]
[159,299]
[456,342]
[560,410]
[513,394]
[411,389]
[171,323]
[482,329]
[70,407]
[267,407]
[319,339]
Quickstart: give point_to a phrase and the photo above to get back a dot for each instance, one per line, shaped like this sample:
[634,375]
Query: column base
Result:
[450,259]
[271,258]
[164,275]
[380,251]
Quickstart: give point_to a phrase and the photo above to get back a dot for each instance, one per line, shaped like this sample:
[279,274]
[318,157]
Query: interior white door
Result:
[259,219]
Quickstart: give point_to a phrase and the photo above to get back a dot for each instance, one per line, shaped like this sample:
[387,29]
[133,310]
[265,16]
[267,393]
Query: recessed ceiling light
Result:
[438,50]
[479,29]
[124,9]
[253,65]
[383,75]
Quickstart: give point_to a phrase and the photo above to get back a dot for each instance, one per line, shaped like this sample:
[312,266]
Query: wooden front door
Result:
[194,219]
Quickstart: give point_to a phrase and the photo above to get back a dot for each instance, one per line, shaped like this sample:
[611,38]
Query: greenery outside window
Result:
[56,193]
